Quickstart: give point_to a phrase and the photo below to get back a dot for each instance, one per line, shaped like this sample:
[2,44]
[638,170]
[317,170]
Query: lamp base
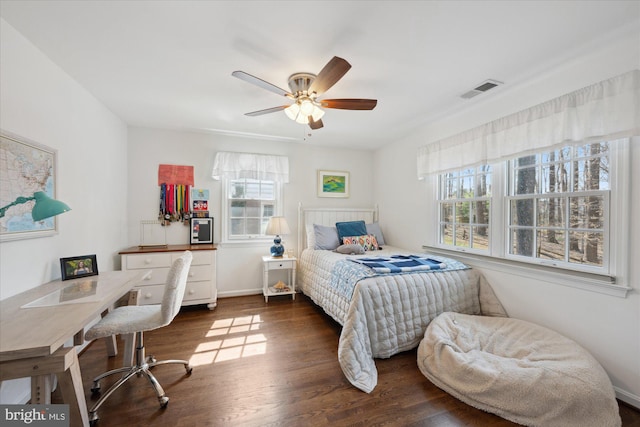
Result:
[277,250]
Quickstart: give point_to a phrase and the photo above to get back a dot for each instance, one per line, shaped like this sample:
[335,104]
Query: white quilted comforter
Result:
[389,314]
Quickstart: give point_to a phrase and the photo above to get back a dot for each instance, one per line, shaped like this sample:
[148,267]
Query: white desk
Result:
[32,338]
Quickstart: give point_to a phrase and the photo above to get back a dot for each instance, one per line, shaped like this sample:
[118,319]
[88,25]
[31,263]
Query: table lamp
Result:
[277,225]
[45,207]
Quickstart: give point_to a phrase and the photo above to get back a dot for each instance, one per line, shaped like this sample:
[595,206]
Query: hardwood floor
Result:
[258,364]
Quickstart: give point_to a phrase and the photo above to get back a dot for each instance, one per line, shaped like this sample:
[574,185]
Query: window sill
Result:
[585,281]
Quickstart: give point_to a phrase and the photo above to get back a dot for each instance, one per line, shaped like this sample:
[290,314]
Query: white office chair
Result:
[136,319]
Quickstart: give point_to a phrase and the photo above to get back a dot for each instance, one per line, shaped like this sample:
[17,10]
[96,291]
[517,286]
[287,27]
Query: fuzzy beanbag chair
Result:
[517,370]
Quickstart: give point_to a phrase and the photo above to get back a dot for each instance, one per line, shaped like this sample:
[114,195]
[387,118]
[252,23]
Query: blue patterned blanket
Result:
[401,263]
[347,272]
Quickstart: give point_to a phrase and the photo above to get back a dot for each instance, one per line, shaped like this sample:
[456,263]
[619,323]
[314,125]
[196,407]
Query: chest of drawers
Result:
[201,282]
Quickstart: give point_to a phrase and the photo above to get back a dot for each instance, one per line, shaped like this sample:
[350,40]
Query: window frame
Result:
[442,199]
[614,273]
[573,191]
[226,214]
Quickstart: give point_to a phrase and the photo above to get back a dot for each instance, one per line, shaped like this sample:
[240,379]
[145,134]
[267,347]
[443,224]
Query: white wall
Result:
[609,327]
[40,102]
[239,266]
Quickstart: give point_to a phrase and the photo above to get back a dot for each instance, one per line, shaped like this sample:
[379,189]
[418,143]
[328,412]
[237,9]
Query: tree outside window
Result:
[559,204]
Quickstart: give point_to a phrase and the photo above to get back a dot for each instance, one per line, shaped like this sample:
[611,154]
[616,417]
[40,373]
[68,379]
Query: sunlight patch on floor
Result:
[232,338]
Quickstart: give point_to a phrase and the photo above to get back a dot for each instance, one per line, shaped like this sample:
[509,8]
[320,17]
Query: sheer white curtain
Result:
[606,110]
[266,167]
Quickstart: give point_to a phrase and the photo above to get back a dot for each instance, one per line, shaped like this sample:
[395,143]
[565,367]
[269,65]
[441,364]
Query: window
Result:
[558,205]
[465,199]
[250,204]
[562,208]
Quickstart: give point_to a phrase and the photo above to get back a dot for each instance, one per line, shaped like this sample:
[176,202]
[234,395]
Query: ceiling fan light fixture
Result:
[292,111]
[302,119]
[317,113]
[301,110]
[306,107]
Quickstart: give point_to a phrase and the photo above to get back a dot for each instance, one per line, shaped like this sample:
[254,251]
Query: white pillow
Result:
[325,237]
[311,237]
[376,231]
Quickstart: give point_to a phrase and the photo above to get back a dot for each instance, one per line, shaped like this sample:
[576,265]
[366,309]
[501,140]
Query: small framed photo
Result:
[333,184]
[201,231]
[78,266]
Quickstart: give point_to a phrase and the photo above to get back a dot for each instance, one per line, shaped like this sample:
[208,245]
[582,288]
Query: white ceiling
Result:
[168,64]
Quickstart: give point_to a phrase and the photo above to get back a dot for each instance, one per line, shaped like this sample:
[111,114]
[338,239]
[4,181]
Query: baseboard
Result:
[239,293]
[627,397]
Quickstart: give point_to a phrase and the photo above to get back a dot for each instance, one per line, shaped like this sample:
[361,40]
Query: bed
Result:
[387,313]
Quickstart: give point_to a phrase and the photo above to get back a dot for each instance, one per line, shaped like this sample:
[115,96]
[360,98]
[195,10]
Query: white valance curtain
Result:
[605,110]
[251,166]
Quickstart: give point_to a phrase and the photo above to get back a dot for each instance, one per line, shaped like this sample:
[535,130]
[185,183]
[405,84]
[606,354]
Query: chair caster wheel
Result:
[96,388]
[93,419]
[164,401]
[189,369]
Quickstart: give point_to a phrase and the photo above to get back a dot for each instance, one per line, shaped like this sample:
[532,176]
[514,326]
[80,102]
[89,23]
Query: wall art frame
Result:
[201,231]
[333,183]
[30,167]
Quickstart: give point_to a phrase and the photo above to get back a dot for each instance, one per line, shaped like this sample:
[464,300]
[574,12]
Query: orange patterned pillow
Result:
[367,241]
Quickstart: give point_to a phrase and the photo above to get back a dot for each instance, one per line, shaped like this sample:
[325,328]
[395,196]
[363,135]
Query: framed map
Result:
[25,167]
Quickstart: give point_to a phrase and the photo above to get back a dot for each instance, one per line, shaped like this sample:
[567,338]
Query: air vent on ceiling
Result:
[481,88]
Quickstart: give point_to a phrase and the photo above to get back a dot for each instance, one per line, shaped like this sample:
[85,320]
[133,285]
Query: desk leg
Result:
[131,298]
[64,363]
[112,346]
[70,382]
[41,388]
[129,349]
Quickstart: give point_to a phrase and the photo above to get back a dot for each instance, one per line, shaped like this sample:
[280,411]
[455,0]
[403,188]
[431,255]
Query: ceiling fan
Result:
[305,90]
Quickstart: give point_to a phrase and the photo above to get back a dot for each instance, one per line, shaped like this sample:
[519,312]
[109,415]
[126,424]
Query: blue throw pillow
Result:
[350,228]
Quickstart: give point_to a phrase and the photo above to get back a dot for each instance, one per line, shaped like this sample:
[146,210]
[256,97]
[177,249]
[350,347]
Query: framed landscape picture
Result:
[333,184]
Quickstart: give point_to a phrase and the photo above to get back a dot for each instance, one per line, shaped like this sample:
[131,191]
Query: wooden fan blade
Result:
[349,104]
[261,83]
[315,125]
[266,111]
[329,75]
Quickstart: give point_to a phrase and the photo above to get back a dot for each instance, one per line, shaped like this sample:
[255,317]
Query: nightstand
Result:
[270,264]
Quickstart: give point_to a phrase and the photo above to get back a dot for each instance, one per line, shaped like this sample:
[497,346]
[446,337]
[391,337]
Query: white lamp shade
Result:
[306,107]
[277,226]
[292,111]
[301,112]
[317,113]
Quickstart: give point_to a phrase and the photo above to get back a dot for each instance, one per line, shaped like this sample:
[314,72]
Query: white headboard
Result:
[329,217]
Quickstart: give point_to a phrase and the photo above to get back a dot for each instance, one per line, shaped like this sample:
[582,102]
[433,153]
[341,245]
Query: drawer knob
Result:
[147,260]
[280,265]
[191,274]
[191,292]
[147,295]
